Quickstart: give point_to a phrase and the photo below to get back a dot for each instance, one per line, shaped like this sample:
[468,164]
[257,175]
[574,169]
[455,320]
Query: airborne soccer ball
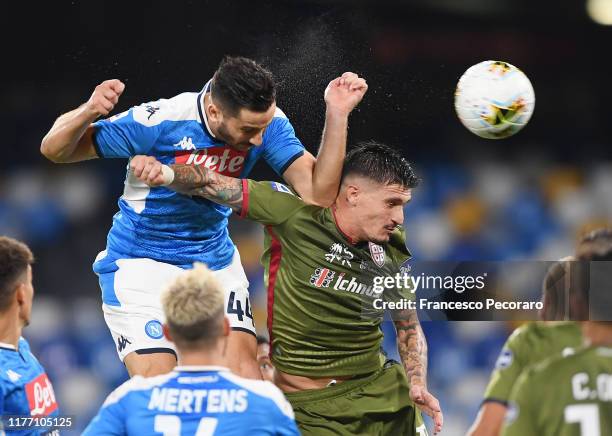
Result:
[494,99]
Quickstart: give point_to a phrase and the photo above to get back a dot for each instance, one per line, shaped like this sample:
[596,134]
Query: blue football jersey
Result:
[25,389]
[158,223]
[194,400]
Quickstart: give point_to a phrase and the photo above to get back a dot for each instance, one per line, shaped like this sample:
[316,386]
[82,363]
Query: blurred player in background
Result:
[199,397]
[320,265]
[263,358]
[534,342]
[25,389]
[157,233]
[571,395]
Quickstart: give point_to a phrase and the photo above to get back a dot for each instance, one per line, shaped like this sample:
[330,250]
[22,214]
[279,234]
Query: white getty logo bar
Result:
[185,144]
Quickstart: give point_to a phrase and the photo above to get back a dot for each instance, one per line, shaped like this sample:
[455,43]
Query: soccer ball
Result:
[494,99]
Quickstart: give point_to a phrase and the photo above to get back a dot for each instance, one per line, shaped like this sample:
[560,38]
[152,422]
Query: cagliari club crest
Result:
[378,254]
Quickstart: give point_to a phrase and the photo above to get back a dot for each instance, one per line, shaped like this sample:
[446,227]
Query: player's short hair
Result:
[15,256]
[555,287]
[242,83]
[193,305]
[380,163]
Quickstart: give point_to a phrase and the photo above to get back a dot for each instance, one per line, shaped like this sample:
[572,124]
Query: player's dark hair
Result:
[15,257]
[242,83]
[380,163]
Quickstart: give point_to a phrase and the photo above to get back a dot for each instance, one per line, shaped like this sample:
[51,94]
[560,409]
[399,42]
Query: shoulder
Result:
[136,384]
[263,389]
[182,107]
[397,245]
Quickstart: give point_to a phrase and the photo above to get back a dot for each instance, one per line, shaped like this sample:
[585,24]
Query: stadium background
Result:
[527,197]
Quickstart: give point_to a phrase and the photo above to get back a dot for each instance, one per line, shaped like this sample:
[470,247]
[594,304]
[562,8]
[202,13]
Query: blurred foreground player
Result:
[201,396]
[571,395]
[25,389]
[320,266]
[263,359]
[157,233]
[534,342]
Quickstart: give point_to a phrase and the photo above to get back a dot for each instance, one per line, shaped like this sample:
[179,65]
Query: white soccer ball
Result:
[494,99]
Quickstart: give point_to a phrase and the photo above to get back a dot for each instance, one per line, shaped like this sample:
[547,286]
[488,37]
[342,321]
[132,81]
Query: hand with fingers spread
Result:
[105,97]
[149,170]
[344,93]
[428,404]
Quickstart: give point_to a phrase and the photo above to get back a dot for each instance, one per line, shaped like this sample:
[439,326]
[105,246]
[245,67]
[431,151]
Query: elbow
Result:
[47,151]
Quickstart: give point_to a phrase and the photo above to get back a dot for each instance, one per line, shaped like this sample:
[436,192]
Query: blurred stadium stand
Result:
[528,197]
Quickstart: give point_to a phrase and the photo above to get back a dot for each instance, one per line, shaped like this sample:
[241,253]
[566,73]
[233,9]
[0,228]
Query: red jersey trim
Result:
[245,198]
[348,238]
[275,260]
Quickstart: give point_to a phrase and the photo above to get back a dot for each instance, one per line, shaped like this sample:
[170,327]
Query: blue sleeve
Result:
[286,426]
[128,133]
[110,420]
[281,146]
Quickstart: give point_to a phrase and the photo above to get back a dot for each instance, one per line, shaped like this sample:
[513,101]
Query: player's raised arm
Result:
[317,180]
[412,347]
[71,137]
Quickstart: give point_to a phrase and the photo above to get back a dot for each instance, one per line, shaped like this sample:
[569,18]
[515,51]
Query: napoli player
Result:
[157,233]
[200,397]
[25,389]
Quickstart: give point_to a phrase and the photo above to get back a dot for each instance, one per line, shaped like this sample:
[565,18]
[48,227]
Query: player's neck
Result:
[597,333]
[10,328]
[345,223]
[213,357]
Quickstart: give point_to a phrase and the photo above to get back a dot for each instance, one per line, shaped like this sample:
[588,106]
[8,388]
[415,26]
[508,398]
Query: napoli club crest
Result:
[378,254]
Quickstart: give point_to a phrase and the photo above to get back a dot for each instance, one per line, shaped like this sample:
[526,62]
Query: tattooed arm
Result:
[189,180]
[412,347]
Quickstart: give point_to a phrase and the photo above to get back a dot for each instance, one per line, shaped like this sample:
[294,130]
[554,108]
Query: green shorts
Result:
[378,404]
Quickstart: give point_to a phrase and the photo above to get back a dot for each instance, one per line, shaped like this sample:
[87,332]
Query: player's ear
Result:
[214,113]
[167,334]
[226,326]
[352,194]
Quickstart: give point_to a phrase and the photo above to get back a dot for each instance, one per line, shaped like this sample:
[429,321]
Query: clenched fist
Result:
[105,97]
[345,92]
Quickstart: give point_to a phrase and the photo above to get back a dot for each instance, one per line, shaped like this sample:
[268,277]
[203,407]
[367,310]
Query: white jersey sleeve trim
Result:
[278,113]
[263,389]
[137,383]
[182,107]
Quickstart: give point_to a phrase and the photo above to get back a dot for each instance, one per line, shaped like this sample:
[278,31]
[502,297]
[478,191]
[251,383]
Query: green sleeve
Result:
[520,419]
[508,368]
[268,203]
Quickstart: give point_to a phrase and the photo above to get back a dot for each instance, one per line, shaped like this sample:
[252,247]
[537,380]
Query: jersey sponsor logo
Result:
[122,342]
[281,188]
[378,254]
[186,143]
[405,268]
[154,330]
[12,375]
[322,277]
[339,253]
[41,397]
[353,286]
[222,160]
[505,359]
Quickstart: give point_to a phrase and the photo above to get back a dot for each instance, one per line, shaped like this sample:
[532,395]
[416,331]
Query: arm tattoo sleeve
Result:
[412,348]
[201,182]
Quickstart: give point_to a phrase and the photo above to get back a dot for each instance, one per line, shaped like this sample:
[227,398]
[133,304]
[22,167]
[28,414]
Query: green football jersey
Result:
[564,396]
[528,345]
[321,318]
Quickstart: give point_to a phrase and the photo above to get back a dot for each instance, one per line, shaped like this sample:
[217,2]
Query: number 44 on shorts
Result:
[235,306]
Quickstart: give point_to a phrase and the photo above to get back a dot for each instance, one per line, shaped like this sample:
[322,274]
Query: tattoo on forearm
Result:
[412,348]
[203,182]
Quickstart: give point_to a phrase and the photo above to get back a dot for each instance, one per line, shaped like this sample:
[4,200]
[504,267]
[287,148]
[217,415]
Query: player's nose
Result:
[398,216]
[257,139]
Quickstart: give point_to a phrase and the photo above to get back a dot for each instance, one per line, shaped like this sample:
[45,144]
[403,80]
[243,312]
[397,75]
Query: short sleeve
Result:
[519,420]
[508,368]
[269,203]
[281,146]
[128,133]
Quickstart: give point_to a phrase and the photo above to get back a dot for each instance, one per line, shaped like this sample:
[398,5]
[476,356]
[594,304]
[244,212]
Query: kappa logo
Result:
[185,144]
[378,254]
[12,375]
[222,160]
[322,277]
[151,110]
[339,253]
[41,397]
[122,342]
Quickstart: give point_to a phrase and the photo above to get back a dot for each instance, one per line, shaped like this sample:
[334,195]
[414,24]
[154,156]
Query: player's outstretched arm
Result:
[317,180]
[71,137]
[412,347]
[189,180]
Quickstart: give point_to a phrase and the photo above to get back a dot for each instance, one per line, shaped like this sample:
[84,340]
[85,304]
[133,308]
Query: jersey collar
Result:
[200,368]
[8,346]
[202,110]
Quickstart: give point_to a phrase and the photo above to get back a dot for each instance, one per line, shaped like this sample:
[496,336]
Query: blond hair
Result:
[193,305]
